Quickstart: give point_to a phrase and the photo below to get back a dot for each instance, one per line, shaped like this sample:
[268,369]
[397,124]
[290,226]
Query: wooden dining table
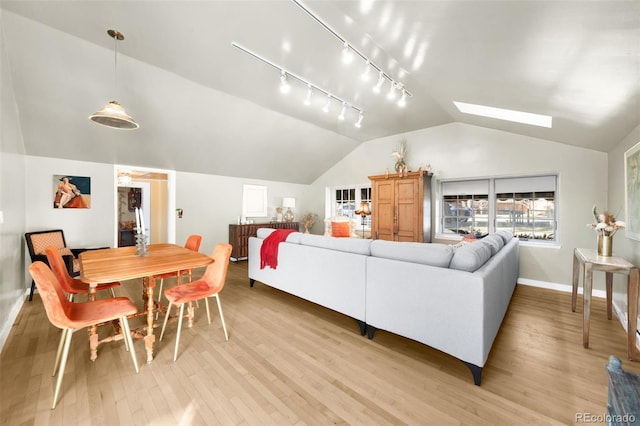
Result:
[121,264]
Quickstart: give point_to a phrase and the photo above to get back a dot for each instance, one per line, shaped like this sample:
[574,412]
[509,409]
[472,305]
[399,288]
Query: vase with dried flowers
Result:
[399,154]
[308,220]
[606,227]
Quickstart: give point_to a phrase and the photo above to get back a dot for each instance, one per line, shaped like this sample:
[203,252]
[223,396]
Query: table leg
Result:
[609,287]
[149,284]
[587,284]
[632,311]
[576,277]
[93,330]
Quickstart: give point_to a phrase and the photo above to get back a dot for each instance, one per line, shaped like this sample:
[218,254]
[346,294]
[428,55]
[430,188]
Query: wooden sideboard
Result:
[239,236]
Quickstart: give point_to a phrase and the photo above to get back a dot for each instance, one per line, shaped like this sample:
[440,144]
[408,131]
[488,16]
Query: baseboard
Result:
[560,287]
[10,320]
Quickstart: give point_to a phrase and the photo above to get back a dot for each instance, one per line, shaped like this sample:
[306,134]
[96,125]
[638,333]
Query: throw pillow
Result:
[340,229]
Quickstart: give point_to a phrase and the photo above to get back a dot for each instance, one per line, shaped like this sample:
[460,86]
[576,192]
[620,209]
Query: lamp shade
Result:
[289,202]
[364,209]
[113,115]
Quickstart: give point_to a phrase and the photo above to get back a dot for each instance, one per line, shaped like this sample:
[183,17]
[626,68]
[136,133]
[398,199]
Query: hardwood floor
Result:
[289,361]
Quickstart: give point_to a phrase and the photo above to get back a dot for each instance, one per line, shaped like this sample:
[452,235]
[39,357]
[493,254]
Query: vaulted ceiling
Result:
[205,106]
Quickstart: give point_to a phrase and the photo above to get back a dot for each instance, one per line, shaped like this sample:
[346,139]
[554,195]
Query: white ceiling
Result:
[205,106]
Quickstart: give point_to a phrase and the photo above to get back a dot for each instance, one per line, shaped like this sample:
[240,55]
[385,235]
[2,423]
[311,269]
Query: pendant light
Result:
[113,114]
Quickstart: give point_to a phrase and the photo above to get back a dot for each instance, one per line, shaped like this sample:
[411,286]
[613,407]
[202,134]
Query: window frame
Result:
[333,202]
[492,223]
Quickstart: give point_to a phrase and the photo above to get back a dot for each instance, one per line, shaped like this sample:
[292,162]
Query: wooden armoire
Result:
[401,207]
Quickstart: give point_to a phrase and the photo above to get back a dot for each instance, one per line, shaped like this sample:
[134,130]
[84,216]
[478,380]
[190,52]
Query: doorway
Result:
[153,192]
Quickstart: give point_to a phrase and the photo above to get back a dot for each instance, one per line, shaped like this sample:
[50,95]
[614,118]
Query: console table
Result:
[239,236]
[590,260]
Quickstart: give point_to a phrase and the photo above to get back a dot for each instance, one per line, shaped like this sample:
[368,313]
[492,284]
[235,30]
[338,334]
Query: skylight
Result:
[505,114]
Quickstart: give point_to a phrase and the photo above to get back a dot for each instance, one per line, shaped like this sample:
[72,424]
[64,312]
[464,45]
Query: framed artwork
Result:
[71,192]
[254,201]
[632,195]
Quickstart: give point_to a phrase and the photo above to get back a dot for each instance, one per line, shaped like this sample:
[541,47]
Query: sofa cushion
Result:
[293,237]
[350,245]
[427,254]
[340,229]
[505,235]
[264,232]
[470,257]
[494,242]
[328,226]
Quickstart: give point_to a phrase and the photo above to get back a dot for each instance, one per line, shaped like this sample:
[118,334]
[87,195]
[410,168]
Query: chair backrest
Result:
[59,268]
[38,241]
[216,273]
[193,242]
[52,295]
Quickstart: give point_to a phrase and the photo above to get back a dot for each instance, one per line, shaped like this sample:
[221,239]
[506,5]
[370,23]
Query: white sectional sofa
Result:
[452,298]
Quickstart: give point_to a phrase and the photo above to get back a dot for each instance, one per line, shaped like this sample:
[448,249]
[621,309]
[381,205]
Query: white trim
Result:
[621,314]
[11,318]
[559,287]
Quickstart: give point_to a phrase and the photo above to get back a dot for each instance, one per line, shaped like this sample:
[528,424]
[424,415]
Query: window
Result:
[525,206]
[465,207]
[346,200]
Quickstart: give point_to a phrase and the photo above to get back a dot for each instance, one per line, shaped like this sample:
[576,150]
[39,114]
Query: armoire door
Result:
[408,210]
[383,204]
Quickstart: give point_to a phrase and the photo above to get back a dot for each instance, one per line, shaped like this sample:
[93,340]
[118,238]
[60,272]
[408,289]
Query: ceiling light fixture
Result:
[349,50]
[326,106]
[342,111]
[378,86]
[367,71]
[392,92]
[347,55]
[284,84]
[403,99]
[505,114]
[113,114]
[360,118]
[307,100]
[310,86]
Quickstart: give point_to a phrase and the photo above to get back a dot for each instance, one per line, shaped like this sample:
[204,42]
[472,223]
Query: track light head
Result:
[326,106]
[392,91]
[347,54]
[307,100]
[403,99]
[360,118]
[342,111]
[365,74]
[378,86]
[284,84]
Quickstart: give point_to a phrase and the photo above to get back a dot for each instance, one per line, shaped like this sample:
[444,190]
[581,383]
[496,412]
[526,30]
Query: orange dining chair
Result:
[71,286]
[193,243]
[71,317]
[210,285]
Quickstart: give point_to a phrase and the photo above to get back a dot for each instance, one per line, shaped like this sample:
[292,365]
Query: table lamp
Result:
[289,203]
[364,211]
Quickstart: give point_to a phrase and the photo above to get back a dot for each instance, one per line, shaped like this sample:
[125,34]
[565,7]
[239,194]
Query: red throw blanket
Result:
[269,249]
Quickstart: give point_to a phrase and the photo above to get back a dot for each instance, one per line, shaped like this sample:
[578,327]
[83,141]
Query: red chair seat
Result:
[189,292]
[89,313]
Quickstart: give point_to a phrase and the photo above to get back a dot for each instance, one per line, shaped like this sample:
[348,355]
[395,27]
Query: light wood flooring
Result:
[289,361]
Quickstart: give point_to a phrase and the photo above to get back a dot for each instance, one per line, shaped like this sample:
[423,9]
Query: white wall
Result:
[12,201]
[210,203]
[459,150]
